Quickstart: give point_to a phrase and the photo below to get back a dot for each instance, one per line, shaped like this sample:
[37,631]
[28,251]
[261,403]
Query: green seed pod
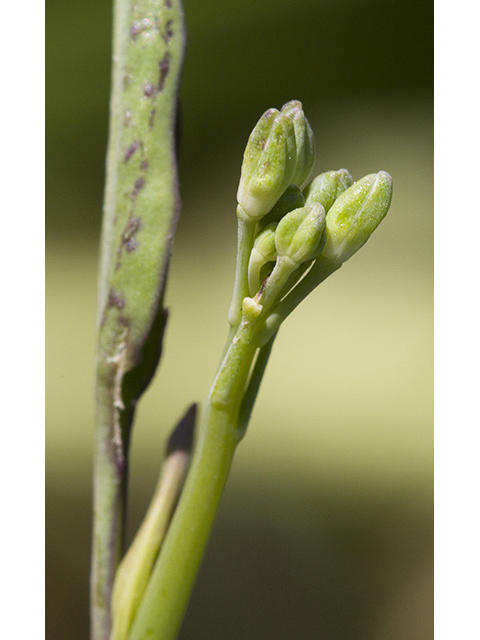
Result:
[268,165]
[299,233]
[263,252]
[327,187]
[304,139]
[356,214]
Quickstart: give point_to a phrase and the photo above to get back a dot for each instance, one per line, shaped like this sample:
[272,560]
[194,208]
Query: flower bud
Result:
[304,139]
[356,214]
[291,199]
[268,164]
[299,233]
[263,252]
[327,187]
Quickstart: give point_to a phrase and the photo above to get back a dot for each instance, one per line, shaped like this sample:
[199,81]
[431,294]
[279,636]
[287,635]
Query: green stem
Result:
[246,233]
[253,387]
[294,278]
[320,271]
[283,270]
[162,608]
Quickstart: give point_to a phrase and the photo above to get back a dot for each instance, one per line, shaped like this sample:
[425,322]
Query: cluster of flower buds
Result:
[331,217]
[279,152]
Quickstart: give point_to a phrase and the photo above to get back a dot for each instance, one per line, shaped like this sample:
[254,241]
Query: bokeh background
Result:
[325,528]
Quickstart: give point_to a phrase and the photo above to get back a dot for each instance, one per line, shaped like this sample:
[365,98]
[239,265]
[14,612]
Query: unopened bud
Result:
[327,187]
[304,139]
[356,214]
[299,234]
[263,252]
[291,199]
[268,165]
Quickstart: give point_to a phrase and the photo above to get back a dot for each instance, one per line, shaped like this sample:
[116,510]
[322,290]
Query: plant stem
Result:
[253,387]
[320,271]
[246,233]
[162,608]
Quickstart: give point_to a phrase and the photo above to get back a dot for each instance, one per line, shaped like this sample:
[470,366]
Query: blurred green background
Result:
[325,529]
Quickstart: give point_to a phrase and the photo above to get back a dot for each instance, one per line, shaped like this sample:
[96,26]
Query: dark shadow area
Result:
[235,68]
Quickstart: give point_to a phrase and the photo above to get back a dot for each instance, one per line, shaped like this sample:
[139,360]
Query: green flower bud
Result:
[291,199]
[299,233]
[327,187]
[304,140]
[264,243]
[268,165]
[356,214]
[263,252]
